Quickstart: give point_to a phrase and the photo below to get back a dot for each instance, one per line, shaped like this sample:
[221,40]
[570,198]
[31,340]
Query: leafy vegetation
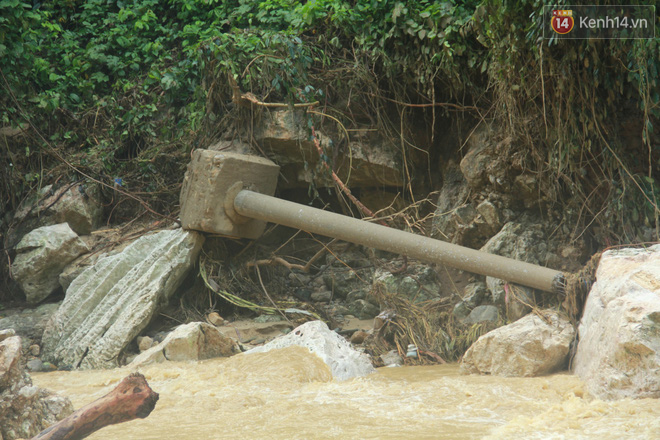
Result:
[128,88]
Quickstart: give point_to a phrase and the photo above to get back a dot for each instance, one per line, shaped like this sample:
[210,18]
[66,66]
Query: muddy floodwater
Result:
[289,394]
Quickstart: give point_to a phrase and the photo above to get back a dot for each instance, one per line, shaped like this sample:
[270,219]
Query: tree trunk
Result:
[131,399]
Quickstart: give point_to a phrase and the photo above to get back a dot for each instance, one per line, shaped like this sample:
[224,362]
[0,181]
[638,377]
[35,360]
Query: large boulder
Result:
[523,241]
[618,354]
[25,410]
[456,219]
[532,346]
[193,341]
[368,160]
[79,205]
[110,303]
[344,361]
[41,256]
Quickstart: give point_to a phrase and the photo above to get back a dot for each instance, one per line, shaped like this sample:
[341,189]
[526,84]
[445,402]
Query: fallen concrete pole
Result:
[231,194]
[259,206]
[131,399]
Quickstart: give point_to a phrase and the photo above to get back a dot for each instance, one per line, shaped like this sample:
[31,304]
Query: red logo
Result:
[562,21]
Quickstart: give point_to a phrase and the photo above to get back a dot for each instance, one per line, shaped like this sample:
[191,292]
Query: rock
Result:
[144,343]
[72,270]
[79,206]
[477,163]
[374,160]
[29,324]
[7,333]
[214,318]
[461,310]
[482,314]
[526,188]
[268,318]
[344,281]
[358,337]
[418,284]
[335,351]
[324,296]
[453,196]
[34,350]
[391,359]
[363,309]
[193,341]
[474,293]
[40,258]
[528,347]
[35,365]
[523,241]
[516,299]
[25,410]
[110,303]
[491,214]
[618,354]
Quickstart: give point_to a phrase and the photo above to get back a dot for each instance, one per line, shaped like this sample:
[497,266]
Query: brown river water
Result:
[289,394]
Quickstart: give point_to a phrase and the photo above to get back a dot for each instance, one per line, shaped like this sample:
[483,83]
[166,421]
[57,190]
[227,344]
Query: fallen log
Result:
[131,399]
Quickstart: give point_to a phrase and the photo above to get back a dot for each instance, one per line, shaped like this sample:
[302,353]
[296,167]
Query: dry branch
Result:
[131,399]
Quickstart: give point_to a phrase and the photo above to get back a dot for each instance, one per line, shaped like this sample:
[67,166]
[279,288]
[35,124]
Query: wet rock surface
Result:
[78,205]
[41,255]
[532,346]
[110,303]
[25,410]
[618,354]
[344,361]
[188,342]
[29,324]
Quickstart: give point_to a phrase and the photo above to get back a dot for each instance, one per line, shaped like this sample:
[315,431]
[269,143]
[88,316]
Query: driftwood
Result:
[131,399]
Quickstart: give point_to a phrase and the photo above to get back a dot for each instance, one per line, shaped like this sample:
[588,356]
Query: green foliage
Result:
[111,80]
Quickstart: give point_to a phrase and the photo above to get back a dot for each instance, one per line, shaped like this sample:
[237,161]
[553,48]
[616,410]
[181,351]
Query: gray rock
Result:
[373,159]
[193,341]
[76,267]
[144,343]
[391,359]
[344,281]
[29,323]
[476,164]
[110,303]
[461,310]
[40,258]
[324,296]
[363,309]
[453,195]
[531,346]
[7,333]
[516,299]
[344,361]
[523,241]
[35,365]
[474,293]
[79,206]
[25,410]
[491,214]
[482,314]
[618,354]
[418,284]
